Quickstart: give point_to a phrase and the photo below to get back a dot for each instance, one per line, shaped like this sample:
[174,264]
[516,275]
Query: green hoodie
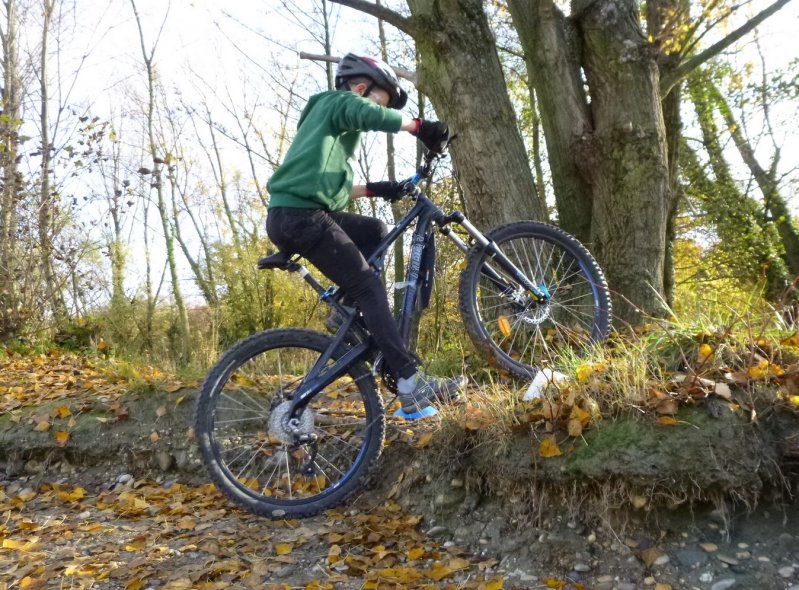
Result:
[316,172]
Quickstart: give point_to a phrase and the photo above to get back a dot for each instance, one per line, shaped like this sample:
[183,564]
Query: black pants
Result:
[338,245]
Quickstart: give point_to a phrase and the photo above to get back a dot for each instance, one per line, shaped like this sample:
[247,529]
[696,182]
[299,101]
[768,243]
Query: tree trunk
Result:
[391,170]
[766,181]
[609,154]
[46,203]
[667,21]
[9,137]
[461,73]
[551,51]
[739,220]
[184,344]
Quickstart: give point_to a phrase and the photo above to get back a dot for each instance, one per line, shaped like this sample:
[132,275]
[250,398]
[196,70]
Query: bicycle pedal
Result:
[423,413]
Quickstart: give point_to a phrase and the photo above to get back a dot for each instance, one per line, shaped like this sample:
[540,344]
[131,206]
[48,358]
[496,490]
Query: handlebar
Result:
[426,169]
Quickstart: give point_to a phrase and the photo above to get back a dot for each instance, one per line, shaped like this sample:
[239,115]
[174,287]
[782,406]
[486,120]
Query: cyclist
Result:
[311,188]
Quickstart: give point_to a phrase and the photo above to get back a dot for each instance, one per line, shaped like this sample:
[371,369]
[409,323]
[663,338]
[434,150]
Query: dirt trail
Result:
[66,528]
[123,503]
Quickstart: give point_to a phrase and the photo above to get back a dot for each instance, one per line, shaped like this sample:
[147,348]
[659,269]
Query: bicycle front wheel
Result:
[264,462]
[505,323]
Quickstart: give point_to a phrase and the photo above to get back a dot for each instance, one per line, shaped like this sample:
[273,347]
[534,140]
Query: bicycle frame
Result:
[426,214]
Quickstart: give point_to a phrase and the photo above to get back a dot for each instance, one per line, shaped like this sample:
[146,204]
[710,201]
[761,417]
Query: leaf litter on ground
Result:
[183,536]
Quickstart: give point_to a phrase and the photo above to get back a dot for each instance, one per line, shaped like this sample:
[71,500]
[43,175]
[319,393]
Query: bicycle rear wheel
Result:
[259,460]
[502,319]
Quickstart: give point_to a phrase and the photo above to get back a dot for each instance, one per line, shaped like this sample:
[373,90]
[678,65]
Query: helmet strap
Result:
[369,89]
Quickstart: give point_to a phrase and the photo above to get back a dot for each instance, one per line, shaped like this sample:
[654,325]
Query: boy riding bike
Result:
[311,188]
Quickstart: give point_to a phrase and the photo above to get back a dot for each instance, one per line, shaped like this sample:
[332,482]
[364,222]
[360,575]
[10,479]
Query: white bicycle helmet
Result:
[378,71]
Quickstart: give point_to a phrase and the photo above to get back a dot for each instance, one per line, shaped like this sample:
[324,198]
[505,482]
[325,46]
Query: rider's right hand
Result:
[388,189]
[433,134]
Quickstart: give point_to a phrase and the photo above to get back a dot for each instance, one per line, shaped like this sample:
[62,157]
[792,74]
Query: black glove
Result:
[388,189]
[433,134]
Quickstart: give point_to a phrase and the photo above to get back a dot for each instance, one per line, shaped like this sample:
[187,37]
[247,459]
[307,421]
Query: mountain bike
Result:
[289,421]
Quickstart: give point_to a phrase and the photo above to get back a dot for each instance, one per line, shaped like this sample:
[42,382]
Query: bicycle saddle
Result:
[279,260]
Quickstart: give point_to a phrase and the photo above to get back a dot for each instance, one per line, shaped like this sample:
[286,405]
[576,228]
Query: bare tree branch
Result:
[669,80]
[406,74]
[403,23]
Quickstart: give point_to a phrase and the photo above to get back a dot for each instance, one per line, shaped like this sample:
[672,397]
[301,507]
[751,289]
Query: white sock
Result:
[406,385]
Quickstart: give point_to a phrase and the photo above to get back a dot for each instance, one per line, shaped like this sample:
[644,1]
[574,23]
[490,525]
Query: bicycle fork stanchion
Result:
[491,249]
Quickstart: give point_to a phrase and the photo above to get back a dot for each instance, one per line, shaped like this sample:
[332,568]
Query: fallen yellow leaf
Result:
[439,571]
[705,353]
[61,438]
[42,426]
[549,447]
[28,583]
[575,427]
[583,373]
[187,522]
[577,413]
[504,325]
[667,421]
[284,548]
[424,440]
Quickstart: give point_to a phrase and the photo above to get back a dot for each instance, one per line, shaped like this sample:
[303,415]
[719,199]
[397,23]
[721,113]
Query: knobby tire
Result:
[246,444]
[520,335]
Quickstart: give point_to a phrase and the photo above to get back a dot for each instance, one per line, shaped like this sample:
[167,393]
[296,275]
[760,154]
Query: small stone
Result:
[182,460]
[456,483]
[786,572]
[653,557]
[706,577]
[164,460]
[785,539]
[709,547]
[743,545]
[581,567]
[763,558]
[125,478]
[450,498]
[727,559]
[33,467]
[591,538]
[631,543]
[662,586]
[723,584]
[604,579]
[436,531]
[625,586]
[649,581]
[691,557]
[743,555]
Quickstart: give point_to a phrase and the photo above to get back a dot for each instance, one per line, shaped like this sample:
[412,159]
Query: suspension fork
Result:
[492,251]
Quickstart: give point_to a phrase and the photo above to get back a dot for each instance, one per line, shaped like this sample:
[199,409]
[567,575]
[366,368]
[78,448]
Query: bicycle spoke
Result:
[285,460]
[524,333]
